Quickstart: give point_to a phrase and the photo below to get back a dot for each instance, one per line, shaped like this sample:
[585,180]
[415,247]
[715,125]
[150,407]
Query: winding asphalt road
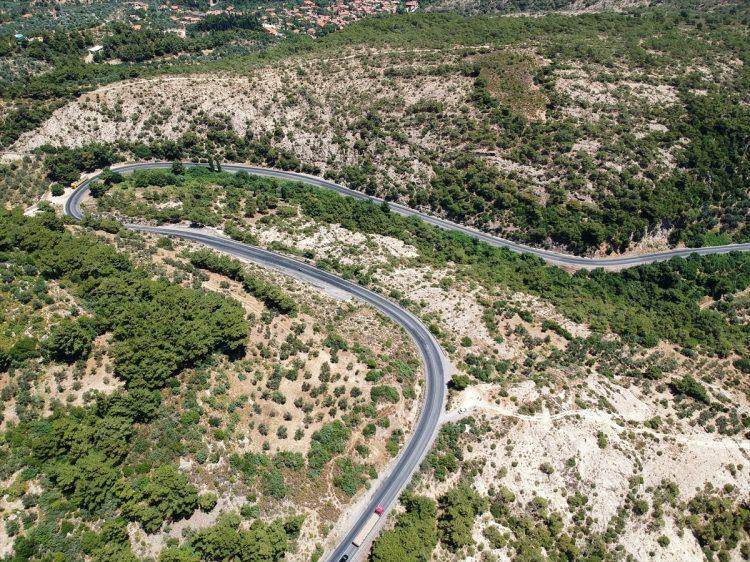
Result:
[435,364]
[555,258]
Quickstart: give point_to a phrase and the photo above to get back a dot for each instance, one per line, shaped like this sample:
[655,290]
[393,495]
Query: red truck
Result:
[369,525]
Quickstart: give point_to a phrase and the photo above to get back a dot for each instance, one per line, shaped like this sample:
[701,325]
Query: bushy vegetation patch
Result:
[414,535]
[158,328]
[329,440]
[646,304]
[96,462]
[271,295]
[226,540]
[352,476]
[719,522]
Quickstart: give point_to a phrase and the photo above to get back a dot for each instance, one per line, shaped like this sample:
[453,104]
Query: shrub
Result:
[743,365]
[601,439]
[555,327]
[494,537]
[384,392]
[5,360]
[25,348]
[688,386]
[640,507]
[351,477]
[207,501]
[460,382]
[274,485]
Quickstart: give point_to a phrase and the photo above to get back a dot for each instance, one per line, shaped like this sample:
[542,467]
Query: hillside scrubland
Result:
[597,133]
[148,392]
[591,415]
[164,402]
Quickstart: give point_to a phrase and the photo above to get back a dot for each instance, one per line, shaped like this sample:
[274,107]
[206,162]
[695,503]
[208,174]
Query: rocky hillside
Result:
[594,133]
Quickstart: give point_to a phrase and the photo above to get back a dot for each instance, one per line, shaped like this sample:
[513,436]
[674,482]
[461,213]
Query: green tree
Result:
[98,189]
[458,508]
[170,493]
[71,340]
[90,480]
[111,436]
[414,535]
[110,177]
